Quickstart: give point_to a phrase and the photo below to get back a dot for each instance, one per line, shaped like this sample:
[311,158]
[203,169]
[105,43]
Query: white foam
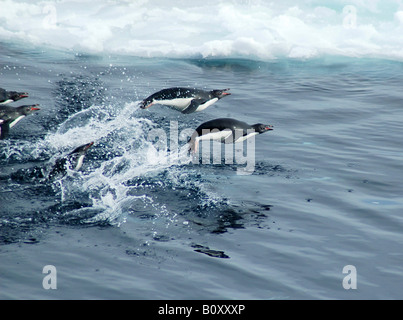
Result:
[237,28]
[134,155]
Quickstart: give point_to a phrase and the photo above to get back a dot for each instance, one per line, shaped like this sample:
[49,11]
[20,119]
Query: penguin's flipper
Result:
[4,129]
[194,105]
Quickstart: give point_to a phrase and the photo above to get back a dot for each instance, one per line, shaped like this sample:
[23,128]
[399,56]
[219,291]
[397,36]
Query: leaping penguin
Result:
[10,116]
[225,130]
[73,161]
[11,96]
[185,100]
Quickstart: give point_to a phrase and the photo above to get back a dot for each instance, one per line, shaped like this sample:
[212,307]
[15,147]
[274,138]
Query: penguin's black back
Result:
[178,92]
[222,124]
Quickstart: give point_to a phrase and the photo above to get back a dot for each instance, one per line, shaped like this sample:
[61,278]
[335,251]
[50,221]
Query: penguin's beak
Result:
[226,93]
[147,106]
[24,95]
[269,127]
[89,145]
[34,108]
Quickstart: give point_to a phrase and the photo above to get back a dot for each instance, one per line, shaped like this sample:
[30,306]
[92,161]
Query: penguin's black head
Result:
[15,96]
[220,93]
[82,149]
[28,109]
[146,103]
[261,128]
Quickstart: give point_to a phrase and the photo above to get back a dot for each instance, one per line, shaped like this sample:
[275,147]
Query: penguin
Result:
[225,130]
[11,96]
[73,161]
[10,116]
[185,100]
[56,169]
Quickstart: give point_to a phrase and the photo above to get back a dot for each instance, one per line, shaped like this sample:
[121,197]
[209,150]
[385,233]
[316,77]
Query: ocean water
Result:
[143,219]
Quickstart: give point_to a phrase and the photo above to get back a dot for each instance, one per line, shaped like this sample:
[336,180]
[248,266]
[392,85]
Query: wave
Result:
[252,29]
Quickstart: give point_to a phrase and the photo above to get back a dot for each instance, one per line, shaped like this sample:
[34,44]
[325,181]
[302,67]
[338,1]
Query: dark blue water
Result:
[325,192]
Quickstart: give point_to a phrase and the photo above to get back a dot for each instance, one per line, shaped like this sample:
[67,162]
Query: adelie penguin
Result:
[11,96]
[185,100]
[73,161]
[10,116]
[55,169]
[225,130]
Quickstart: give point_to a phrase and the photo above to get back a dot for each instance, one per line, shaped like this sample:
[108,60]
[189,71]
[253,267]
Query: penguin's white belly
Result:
[7,101]
[206,104]
[79,164]
[217,136]
[12,124]
[179,103]
[243,138]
